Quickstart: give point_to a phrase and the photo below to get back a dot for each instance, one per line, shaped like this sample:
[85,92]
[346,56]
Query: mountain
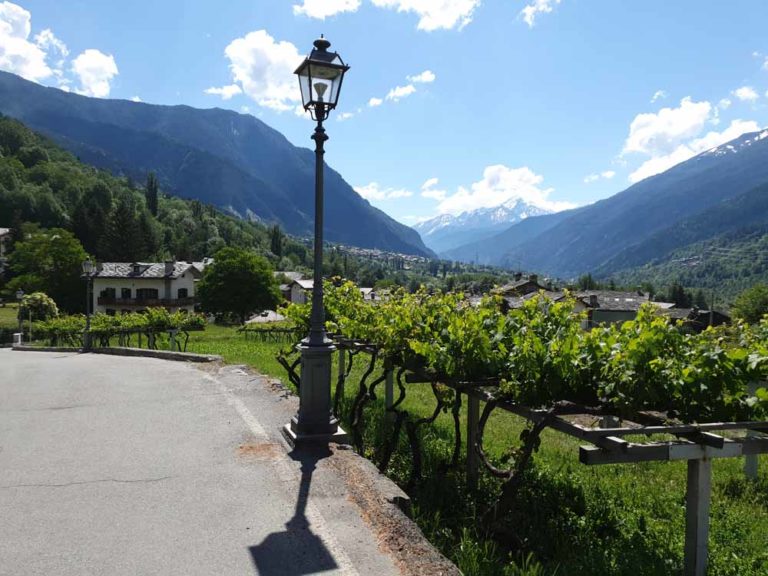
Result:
[496,249]
[747,211]
[230,160]
[610,234]
[445,232]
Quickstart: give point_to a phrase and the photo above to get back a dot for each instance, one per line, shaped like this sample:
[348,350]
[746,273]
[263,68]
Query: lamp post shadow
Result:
[296,550]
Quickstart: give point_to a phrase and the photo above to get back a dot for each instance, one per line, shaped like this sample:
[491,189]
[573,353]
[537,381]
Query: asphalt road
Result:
[136,466]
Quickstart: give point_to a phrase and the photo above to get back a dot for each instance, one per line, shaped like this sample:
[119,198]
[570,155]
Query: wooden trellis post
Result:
[698,494]
[750,461]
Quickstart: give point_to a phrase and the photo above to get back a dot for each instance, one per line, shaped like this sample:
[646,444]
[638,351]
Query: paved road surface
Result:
[136,466]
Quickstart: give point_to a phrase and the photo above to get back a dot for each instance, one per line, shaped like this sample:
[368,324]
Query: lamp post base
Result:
[309,440]
[315,423]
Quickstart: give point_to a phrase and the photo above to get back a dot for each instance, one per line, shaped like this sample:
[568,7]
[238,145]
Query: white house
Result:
[121,287]
[301,291]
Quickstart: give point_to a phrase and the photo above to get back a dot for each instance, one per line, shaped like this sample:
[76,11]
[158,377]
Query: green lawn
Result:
[623,520]
[8,315]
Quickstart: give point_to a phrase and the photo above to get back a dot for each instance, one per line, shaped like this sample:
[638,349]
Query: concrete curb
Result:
[382,503]
[160,354]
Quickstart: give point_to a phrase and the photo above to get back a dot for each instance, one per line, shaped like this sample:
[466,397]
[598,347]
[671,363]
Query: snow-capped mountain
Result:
[447,231]
[734,146]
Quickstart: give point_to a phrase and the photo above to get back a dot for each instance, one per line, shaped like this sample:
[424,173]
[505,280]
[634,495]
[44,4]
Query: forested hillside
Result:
[112,217]
[233,161]
[117,219]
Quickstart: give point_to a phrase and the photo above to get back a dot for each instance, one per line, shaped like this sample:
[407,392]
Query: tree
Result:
[752,304]
[679,296]
[586,282]
[50,261]
[122,240]
[38,306]
[276,240]
[151,193]
[238,282]
[700,301]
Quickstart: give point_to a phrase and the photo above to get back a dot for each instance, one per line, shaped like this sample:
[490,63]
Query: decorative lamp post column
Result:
[88,269]
[320,78]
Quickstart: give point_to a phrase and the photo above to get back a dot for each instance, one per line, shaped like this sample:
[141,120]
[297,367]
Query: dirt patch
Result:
[260,451]
[376,497]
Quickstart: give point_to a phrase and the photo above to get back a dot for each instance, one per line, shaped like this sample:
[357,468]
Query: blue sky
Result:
[449,104]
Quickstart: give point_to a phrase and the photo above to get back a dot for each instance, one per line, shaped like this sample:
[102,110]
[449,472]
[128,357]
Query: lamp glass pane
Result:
[306,91]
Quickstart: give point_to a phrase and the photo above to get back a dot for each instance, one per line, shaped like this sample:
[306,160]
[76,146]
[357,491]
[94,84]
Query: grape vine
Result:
[540,354]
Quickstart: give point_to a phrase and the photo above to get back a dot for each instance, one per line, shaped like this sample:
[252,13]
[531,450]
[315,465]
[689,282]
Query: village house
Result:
[300,292]
[601,306]
[122,287]
[522,286]
[289,277]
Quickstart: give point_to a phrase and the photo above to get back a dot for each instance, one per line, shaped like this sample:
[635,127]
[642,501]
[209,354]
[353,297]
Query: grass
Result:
[571,519]
[8,316]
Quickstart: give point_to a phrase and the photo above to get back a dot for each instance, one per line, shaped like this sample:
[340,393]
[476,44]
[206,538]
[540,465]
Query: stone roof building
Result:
[120,287]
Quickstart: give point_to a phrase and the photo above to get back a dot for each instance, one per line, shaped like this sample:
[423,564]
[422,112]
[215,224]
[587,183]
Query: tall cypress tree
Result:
[151,192]
[276,238]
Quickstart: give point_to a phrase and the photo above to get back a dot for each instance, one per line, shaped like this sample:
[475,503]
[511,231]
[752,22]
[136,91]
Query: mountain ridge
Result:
[572,243]
[205,154]
[447,231]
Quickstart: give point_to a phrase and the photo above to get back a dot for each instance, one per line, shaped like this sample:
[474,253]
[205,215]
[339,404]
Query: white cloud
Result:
[424,78]
[724,104]
[400,92]
[263,69]
[322,9]
[52,46]
[498,185]
[347,115]
[660,133]
[605,175]
[17,54]
[373,191]
[535,8]
[428,190]
[687,150]
[658,95]
[746,94]
[226,92]
[435,14]
[95,71]
[136,99]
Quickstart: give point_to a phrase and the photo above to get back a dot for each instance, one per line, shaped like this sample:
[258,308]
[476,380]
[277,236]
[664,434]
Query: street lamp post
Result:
[88,268]
[19,296]
[320,78]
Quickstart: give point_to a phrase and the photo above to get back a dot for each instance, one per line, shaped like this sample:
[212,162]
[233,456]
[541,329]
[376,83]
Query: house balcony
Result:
[146,302]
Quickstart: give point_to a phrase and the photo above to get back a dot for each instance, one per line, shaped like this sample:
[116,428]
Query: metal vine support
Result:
[455,413]
[361,399]
[290,367]
[531,439]
[400,416]
[413,437]
[343,375]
